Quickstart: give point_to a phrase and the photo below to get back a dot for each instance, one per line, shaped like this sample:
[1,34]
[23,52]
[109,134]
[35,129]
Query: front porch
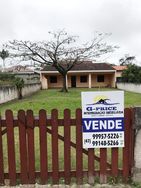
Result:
[78,80]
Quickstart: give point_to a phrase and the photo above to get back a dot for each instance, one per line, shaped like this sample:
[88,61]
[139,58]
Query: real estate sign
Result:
[103,119]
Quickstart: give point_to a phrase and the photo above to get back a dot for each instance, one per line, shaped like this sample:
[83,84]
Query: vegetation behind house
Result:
[132,74]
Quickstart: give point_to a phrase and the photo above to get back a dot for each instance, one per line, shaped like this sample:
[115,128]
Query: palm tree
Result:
[4,54]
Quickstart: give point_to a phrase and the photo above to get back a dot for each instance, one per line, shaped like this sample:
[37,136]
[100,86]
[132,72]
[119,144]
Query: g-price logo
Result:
[102,106]
[101,99]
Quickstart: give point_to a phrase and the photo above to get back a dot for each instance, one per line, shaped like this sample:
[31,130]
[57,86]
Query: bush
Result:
[6,77]
[19,83]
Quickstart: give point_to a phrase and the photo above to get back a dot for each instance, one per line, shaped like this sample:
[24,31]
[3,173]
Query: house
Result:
[28,75]
[119,69]
[18,69]
[86,74]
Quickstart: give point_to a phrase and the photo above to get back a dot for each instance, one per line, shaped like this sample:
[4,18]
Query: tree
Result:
[132,74]
[61,51]
[127,59]
[4,54]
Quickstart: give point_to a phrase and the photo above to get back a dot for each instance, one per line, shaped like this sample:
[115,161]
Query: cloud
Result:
[31,20]
[6,20]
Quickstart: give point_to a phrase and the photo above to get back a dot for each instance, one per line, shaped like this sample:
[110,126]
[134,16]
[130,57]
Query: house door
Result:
[73,81]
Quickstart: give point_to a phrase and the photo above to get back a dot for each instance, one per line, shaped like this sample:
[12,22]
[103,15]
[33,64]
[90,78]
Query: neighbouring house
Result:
[119,69]
[29,76]
[86,74]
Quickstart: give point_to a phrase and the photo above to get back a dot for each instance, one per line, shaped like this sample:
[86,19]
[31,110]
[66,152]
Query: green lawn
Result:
[49,99]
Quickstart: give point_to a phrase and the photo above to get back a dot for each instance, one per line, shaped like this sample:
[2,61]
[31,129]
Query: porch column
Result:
[90,80]
[114,80]
[67,81]
[44,82]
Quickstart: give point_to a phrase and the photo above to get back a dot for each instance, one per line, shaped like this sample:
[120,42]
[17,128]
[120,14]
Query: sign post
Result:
[103,119]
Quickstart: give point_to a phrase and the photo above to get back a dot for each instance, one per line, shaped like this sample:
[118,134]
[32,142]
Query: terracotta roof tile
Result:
[86,65]
[18,68]
[120,68]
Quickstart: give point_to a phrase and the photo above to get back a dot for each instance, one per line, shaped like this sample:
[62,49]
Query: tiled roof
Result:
[86,65]
[18,69]
[120,68]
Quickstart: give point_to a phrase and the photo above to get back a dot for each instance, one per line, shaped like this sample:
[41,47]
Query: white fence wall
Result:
[130,87]
[8,93]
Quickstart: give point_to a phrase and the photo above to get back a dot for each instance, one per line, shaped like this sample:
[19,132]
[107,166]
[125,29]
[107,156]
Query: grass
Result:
[49,99]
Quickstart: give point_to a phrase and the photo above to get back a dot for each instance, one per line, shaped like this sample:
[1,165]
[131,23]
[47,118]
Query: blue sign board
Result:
[103,119]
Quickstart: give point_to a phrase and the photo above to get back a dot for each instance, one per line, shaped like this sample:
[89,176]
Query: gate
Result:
[20,136]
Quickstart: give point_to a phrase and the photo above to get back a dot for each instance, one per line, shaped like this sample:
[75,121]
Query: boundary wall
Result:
[8,93]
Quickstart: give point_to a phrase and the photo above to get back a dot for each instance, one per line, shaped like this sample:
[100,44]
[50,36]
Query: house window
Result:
[83,79]
[53,79]
[100,78]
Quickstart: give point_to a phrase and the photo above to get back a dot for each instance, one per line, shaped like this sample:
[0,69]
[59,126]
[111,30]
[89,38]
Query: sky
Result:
[32,19]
